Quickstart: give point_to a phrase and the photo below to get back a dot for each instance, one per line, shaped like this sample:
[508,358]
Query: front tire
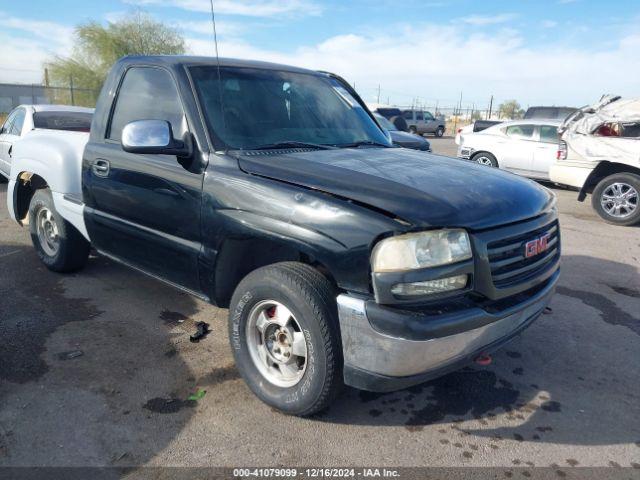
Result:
[285,337]
[615,199]
[58,244]
[439,132]
[485,158]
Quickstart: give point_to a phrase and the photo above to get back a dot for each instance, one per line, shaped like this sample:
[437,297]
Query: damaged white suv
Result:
[599,153]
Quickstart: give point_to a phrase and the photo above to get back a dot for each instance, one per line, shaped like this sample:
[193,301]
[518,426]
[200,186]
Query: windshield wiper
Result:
[363,143]
[292,144]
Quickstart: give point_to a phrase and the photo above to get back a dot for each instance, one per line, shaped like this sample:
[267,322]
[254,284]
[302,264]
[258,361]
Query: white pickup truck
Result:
[599,153]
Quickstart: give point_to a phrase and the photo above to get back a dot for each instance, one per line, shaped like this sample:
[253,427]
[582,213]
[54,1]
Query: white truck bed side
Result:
[56,156]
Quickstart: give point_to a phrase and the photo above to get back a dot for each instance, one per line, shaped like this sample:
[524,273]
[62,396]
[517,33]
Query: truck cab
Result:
[271,191]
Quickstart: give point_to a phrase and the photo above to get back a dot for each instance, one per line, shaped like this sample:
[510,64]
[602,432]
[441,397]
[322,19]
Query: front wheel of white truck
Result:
[59,245]
[285,337]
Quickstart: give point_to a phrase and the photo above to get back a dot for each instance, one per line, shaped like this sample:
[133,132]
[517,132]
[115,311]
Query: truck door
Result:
[144,209]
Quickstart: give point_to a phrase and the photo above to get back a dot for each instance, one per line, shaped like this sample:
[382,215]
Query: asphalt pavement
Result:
[96,369]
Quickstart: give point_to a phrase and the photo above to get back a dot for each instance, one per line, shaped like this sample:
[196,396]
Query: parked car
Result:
[403,139]
[25,118]
[548,113]
[422,122]
[476,126]
[599,153]
[525,147]
[272,191]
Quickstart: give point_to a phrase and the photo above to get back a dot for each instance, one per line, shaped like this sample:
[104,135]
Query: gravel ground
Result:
[96,369]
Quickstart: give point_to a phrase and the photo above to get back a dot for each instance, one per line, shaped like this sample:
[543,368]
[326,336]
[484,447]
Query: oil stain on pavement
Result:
[610,312]
[31,311]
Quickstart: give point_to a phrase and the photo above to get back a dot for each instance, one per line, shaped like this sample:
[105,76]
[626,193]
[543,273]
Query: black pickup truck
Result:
[271,190]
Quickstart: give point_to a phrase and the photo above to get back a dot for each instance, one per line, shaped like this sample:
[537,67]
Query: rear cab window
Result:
[68,121]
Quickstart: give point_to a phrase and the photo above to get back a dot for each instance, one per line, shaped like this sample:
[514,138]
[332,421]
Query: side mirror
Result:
[153,137]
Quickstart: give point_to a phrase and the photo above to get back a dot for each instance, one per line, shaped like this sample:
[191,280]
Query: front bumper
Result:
[379,362]
[465,152]
[571,174]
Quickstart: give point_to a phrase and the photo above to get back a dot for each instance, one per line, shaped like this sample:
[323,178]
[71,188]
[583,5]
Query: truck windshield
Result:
[262,107]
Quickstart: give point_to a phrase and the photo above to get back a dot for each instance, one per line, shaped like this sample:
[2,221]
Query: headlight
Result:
[420,250]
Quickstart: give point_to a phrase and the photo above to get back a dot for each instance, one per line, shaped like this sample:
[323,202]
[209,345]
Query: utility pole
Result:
[490,108]
[46,77]
[378,93]
[73,101]
[455,114]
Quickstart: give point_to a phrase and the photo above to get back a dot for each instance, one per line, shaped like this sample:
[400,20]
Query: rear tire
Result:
[285,337]
[413,130]
[485,158]
[615,199]
[59,245]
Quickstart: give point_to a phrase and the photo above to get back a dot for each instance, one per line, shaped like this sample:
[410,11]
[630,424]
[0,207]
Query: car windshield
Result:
[70,121]
[263,107]
[384,123]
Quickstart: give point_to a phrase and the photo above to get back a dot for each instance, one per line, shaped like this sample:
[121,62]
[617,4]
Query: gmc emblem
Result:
[536,246]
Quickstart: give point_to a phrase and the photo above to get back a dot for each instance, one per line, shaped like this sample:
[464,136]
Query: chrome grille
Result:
[507,260]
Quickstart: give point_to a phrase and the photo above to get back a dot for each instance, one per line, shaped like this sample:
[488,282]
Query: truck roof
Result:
[189,60]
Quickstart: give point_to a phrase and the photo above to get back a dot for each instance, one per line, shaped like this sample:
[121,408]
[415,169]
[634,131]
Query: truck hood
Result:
[425,190]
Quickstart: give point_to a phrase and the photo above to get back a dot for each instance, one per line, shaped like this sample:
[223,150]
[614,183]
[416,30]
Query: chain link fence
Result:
[14,94]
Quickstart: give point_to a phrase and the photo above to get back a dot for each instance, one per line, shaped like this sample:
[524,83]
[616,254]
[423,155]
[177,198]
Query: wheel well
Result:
[603,170]
[26,187]
[239,257]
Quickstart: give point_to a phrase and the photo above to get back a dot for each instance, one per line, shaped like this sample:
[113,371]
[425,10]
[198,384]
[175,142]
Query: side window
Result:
[631,130]
[419,116]
[408,115]
[147,93]
[6,128]
[548,134]
[524,132]
[428,116]
[611,129]
[18,122]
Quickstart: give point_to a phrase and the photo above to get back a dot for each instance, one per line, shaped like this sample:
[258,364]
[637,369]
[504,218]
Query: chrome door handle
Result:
[101,168]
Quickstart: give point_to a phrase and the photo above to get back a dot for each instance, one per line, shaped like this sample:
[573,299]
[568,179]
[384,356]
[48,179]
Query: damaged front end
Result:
[597,141]
[598,132]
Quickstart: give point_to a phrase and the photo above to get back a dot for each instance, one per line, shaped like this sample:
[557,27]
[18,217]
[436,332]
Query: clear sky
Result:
[562,52]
